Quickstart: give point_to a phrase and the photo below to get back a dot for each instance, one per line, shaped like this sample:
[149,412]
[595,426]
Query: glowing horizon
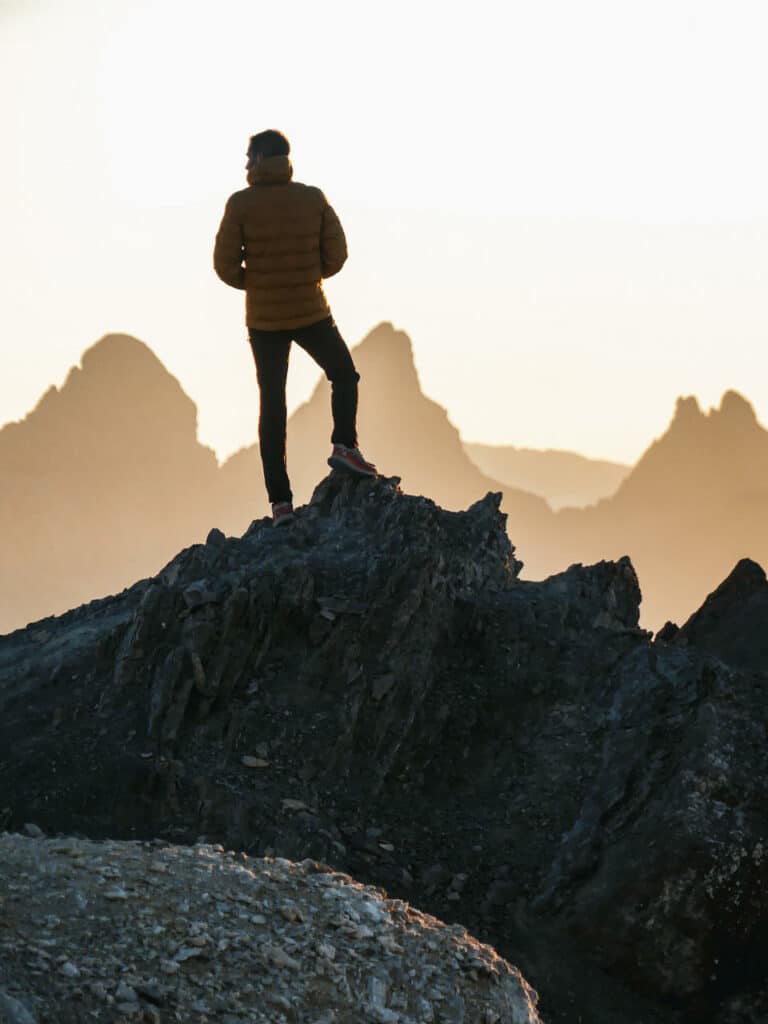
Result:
[563,207]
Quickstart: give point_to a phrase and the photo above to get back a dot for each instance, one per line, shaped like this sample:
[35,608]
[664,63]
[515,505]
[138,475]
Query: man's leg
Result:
[270,352]
[325,344]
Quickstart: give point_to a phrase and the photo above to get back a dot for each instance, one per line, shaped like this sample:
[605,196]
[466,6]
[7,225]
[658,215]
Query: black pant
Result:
[325,344]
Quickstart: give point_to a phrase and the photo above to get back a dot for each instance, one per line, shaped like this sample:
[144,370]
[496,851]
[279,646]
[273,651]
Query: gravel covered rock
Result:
[150,932]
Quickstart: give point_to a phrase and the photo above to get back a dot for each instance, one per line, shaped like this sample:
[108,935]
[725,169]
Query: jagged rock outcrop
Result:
[197,934]
[375,687]
[733,621]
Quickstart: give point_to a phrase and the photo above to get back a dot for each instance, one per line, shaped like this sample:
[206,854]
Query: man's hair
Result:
[269,143]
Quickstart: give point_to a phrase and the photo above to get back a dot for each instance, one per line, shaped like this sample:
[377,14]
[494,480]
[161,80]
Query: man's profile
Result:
[290,238]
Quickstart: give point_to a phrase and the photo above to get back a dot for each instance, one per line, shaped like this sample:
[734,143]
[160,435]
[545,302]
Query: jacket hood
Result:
[271,169]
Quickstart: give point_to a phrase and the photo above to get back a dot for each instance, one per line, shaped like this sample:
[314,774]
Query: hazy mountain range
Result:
[565,479]
[105,480]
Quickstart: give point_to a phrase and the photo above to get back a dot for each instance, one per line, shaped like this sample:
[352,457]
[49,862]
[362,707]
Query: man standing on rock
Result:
[290,239]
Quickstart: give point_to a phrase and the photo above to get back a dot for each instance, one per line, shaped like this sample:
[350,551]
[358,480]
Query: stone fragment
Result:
[382,686]
[290,804]
[125,994]
[254,762]
[291,912]
[187,953]
[116,893]
[152,993]
[278,956]
[14,1011]
[279,1000]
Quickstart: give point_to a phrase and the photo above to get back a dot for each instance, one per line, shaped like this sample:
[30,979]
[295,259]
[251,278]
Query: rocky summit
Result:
[374,688]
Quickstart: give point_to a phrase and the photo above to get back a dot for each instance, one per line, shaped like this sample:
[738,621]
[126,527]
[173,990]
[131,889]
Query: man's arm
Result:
[228,252]
[333,244]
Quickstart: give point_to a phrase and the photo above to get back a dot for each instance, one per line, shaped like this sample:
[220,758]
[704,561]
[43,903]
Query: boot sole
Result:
[283,521]
[335,463]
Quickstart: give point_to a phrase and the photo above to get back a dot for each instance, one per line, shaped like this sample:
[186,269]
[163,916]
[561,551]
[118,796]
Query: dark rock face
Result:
[733,621]
[376,688]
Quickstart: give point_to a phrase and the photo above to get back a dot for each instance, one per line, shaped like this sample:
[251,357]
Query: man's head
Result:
[268,143]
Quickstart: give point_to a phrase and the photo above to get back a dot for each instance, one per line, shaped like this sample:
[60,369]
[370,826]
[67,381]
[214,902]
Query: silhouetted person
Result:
[290,239]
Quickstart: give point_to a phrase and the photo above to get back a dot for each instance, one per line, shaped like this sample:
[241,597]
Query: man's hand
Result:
[229,250]
[333,244]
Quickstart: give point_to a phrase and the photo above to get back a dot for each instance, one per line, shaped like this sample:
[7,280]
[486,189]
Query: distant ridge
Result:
[565,479]
[695,504]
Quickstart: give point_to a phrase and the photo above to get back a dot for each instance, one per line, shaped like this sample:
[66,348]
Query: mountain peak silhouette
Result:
[121,379]
[687,411]
[736,408]
[387,357]
[699,446]
[109,478]
[120,389]
[115,350]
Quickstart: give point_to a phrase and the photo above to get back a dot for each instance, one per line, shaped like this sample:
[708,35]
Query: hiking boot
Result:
[282,513]
[351,460]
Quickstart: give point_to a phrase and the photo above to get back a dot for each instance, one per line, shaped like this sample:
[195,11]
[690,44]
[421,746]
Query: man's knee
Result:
[345,373]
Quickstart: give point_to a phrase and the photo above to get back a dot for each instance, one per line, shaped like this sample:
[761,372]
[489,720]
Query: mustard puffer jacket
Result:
[290,238]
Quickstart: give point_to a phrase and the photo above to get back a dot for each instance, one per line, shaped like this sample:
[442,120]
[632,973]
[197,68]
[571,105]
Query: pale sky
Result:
[563,204]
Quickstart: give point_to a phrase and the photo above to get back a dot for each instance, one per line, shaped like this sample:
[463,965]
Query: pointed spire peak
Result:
[388,352]
[385,333]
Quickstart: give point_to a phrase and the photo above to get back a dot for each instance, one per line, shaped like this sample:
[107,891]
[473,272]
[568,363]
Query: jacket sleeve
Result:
[228,251]
[333,244]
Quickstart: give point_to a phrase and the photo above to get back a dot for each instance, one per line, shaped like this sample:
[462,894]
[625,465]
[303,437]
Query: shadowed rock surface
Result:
[733,621]
[376,688]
